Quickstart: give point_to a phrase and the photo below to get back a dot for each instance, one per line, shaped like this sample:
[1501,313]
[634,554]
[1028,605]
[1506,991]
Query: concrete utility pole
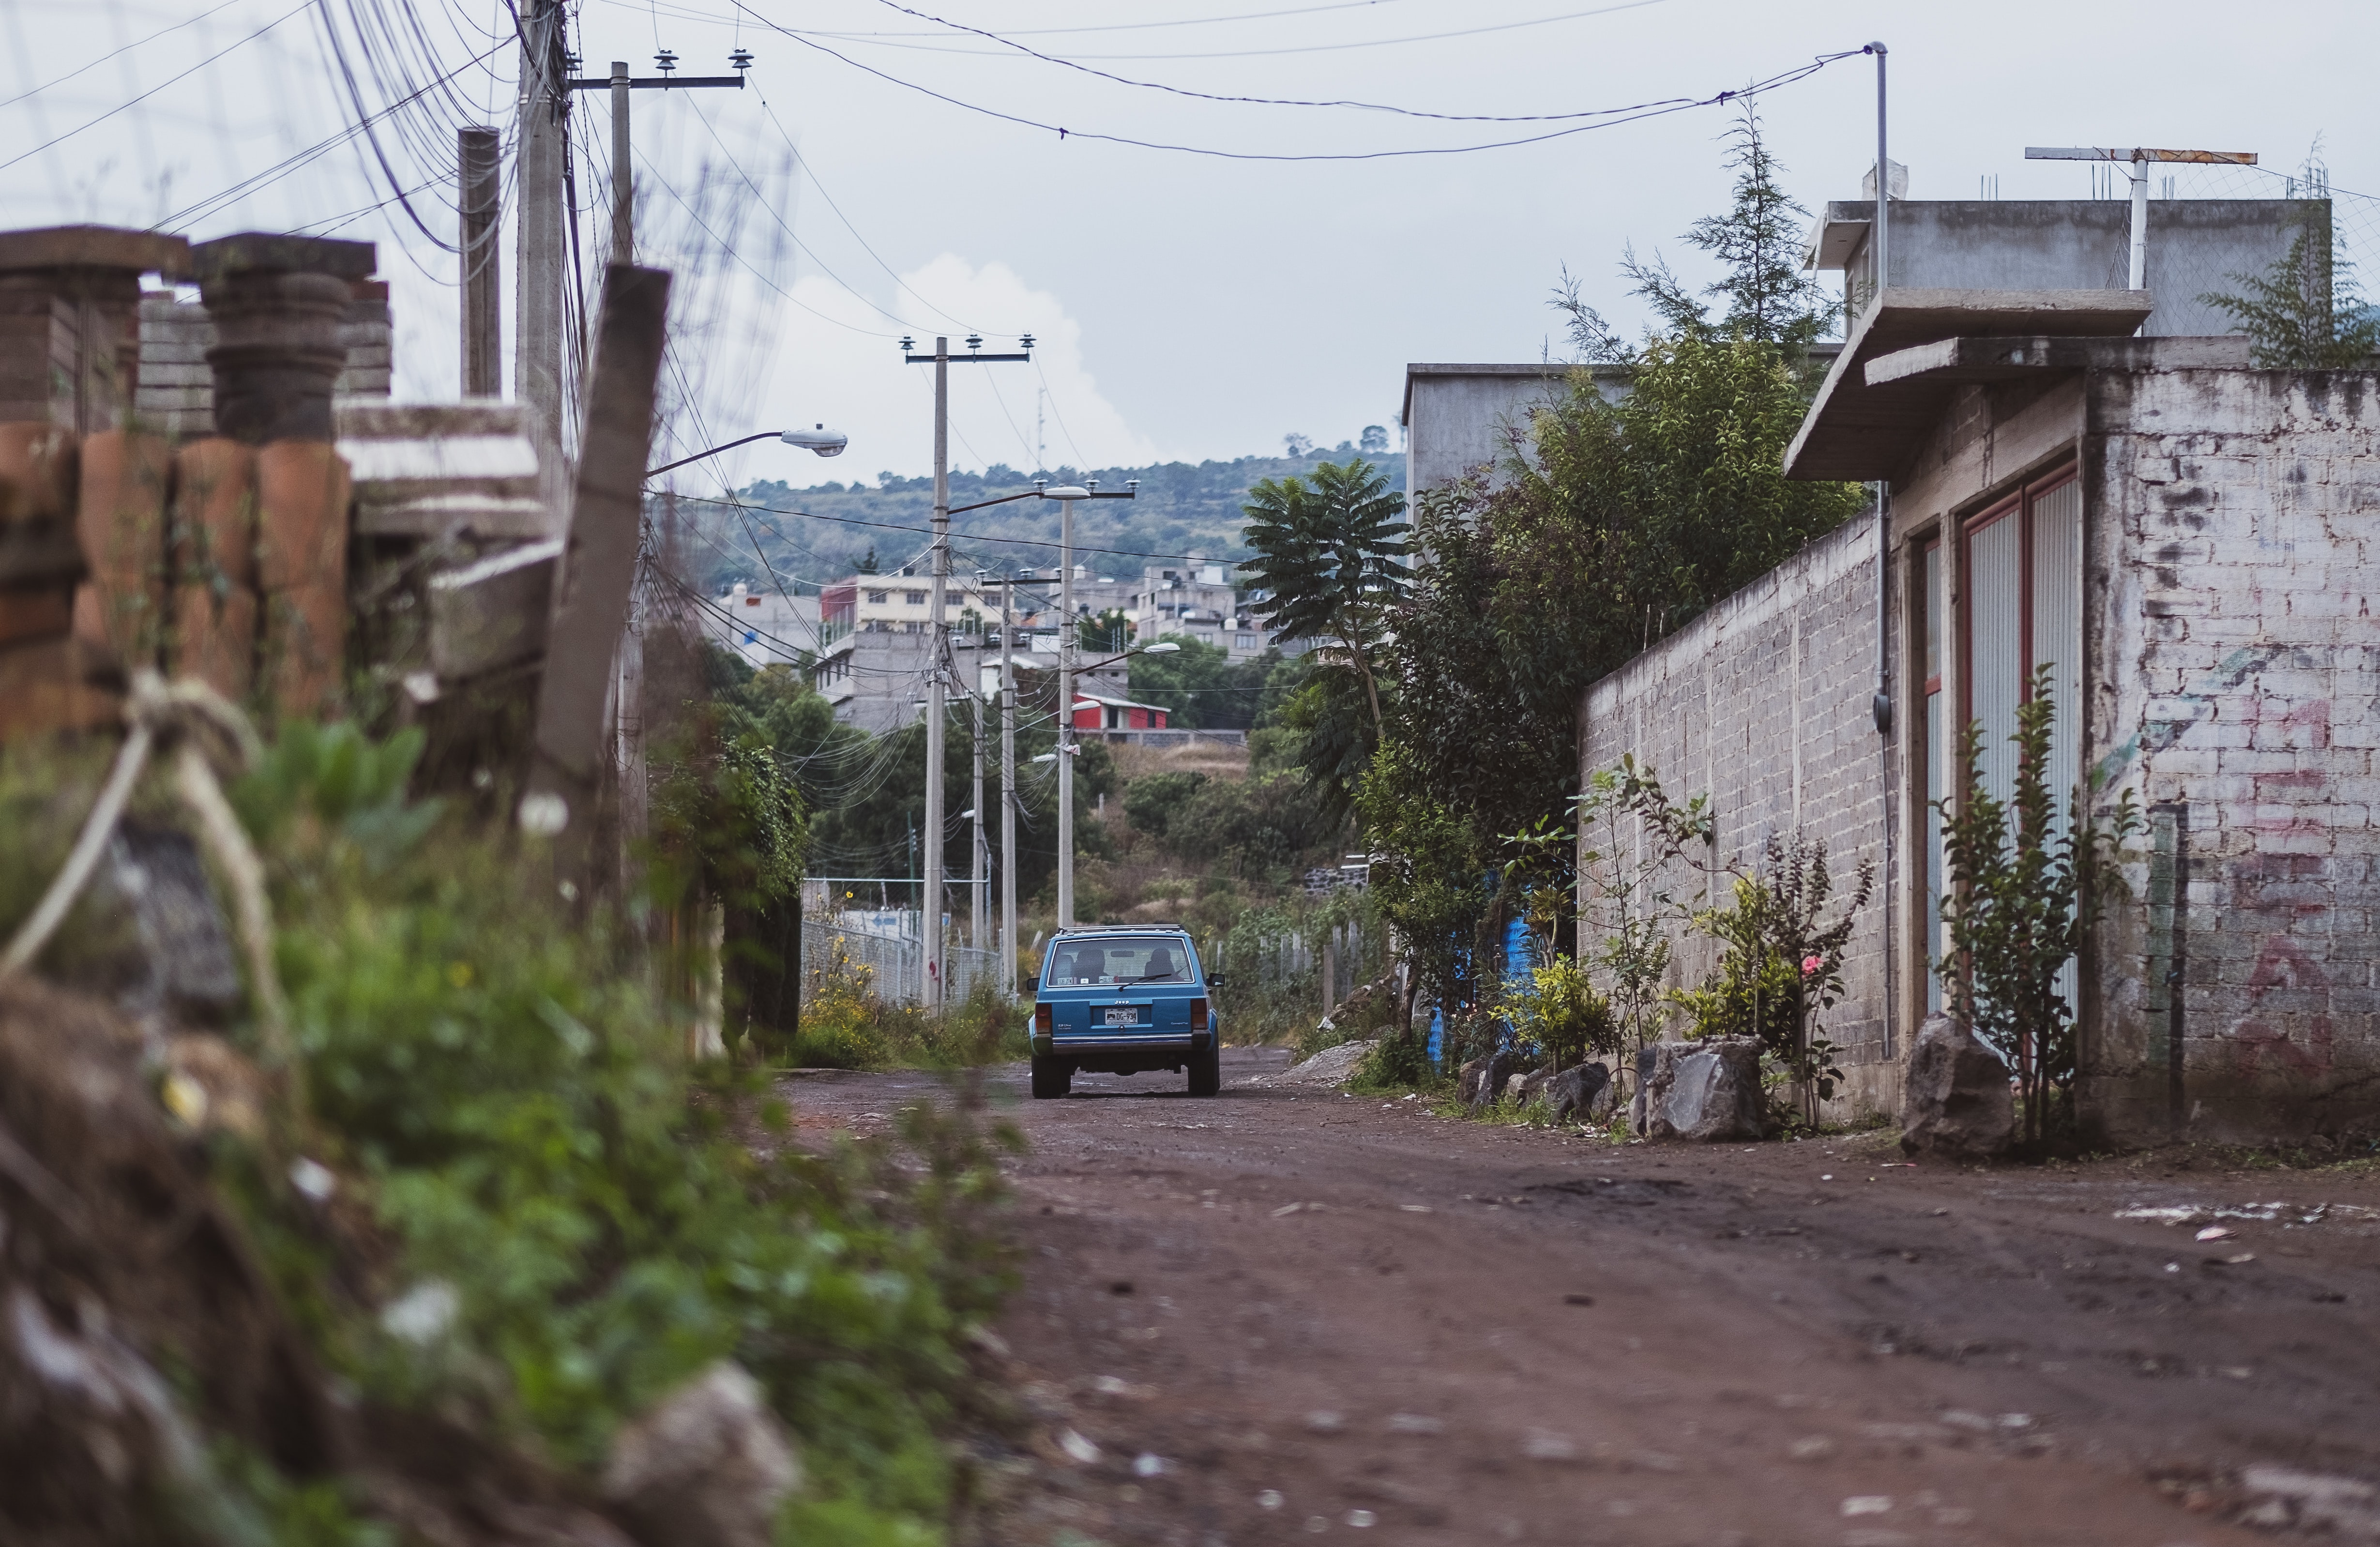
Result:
[1066,704]
[2139,156]
[938,650]
[480,198]
[537,340]
[981,880]
[1067,630]
[1007,788]
[619,83]
[599,567]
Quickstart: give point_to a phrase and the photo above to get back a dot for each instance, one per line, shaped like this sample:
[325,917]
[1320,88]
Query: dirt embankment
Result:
[1279,1314]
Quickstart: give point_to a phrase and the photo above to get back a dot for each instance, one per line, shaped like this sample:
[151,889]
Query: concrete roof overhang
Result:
[1866,424]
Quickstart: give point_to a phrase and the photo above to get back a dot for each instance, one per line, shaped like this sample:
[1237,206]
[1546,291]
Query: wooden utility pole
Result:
[544,105]
[480,202]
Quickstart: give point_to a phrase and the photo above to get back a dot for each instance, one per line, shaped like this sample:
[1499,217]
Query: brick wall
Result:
[1764,703]
[2238,673]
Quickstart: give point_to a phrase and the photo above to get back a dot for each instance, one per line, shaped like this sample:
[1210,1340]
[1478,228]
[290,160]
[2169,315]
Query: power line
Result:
[137,42]
[1186,21]
[59,140]
[1786,78]
[1072,62]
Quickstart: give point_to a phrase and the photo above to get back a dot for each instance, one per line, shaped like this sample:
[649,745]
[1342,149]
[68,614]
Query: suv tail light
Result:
[1041,1019]
[1197,1015]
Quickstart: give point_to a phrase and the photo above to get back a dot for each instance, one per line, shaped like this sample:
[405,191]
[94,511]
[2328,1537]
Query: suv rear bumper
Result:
[1097,1042]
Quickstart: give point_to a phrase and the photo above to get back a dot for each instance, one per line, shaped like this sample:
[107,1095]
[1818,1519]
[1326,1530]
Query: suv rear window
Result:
[1115,960]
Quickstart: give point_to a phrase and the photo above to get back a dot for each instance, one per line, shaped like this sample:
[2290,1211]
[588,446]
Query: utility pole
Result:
[2140,156]
[480,199]
[1067,630]
[938,647]
[619,83]
[981,881]
[545,104]
[1007,788]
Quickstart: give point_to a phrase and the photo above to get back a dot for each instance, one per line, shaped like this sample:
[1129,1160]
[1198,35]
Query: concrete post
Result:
[571,752]
[481,195]
[1007,788]
[279,305]
[929,918]
[1065,713]
[70,322]
[544,98]
[624,180]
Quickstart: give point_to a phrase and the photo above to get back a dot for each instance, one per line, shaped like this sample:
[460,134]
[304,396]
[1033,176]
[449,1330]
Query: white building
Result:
[1196,602]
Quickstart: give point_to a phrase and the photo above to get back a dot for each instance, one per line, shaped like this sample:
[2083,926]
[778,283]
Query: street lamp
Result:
[818,438]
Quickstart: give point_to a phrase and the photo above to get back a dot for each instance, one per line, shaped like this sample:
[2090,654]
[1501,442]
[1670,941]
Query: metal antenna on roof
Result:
[2140,156]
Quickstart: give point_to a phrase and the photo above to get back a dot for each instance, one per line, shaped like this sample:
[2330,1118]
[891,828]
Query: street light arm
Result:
[665,466]
[1005,499]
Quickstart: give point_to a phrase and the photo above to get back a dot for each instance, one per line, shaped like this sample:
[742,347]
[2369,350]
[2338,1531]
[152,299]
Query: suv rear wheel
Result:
[1051,1077]
[1207,1071]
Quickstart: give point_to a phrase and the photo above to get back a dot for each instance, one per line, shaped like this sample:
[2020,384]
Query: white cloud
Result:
[832,363]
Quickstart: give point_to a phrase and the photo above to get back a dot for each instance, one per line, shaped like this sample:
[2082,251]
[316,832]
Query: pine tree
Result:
[2303,313]
[1768,297]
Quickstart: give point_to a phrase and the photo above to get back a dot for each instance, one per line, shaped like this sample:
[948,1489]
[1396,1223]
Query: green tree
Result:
[1200,685]
[1769,297]
[1105,633]
[2024,893]
[2304,311]
[1331,560]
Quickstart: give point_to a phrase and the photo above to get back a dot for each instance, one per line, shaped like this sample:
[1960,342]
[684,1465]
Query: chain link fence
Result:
[889,965]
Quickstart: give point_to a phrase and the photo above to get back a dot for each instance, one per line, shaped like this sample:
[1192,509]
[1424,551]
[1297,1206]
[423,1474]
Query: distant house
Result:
[1096,712]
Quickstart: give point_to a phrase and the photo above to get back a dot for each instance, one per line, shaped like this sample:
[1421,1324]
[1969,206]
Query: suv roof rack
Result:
[1125,929]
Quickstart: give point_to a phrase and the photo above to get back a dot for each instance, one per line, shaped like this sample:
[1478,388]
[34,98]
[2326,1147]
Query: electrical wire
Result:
[1074,62]
[1186,21]
[131,102]
[137,42]
[1784,78]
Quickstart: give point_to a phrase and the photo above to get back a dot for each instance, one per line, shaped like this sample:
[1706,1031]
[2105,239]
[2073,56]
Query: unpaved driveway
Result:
[1323,1315]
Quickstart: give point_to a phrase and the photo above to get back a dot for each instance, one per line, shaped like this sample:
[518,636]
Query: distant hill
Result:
[818,533]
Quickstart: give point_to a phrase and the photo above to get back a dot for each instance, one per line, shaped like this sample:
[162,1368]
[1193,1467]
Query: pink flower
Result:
[1811,965]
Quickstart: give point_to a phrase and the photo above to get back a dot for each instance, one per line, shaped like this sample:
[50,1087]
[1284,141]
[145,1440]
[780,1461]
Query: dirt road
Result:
[1277,1315]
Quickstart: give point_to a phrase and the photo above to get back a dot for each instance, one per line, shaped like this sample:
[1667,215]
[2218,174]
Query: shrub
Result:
[502,1089]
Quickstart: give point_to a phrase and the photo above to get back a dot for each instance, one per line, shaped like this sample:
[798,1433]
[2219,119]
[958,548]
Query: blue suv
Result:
[1123,1000]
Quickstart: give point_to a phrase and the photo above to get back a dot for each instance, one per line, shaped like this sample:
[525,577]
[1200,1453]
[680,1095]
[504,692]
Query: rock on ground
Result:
[1327,1070]
[1955,1103]
[1484,1079]
[1572,1094]
[1708,1090]
[707,1467]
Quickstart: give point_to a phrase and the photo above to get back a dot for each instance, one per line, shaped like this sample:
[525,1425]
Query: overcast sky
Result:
[1188,305]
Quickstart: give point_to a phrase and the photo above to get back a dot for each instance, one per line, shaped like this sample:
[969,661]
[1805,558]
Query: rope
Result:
[207,732]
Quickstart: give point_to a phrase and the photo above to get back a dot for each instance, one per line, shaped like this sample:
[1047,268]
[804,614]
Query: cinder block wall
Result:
[2237,672]
[1764,703]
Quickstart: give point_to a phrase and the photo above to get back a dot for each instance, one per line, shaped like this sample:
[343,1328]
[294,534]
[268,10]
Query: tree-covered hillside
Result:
[828,530]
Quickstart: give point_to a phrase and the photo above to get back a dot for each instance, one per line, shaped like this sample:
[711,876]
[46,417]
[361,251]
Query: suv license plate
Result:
[1129,1017]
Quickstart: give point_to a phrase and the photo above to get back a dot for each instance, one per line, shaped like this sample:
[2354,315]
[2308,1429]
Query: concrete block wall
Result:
[1764,703]
[2237,671]
[175,390]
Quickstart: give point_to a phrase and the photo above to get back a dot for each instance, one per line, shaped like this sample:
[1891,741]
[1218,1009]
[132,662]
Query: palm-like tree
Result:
[1329,554]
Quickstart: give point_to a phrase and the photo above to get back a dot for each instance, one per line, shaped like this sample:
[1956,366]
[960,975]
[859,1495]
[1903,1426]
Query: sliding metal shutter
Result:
[2058,631]
[1996,636]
